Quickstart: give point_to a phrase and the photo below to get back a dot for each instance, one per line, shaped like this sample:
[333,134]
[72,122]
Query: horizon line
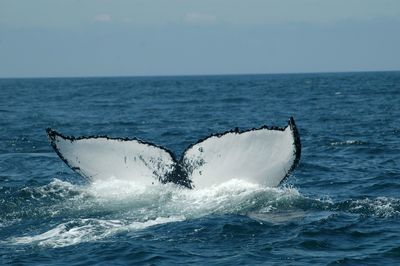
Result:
[198,75]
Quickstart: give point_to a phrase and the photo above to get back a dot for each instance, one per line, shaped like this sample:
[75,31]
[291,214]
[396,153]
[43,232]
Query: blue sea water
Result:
[341,206]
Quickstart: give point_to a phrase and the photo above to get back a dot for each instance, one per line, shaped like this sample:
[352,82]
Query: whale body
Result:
[265,156]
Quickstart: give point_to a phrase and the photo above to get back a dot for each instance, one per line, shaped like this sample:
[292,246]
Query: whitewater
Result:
[129,207]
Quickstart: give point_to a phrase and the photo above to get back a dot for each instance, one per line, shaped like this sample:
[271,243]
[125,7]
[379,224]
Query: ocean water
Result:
[341,206]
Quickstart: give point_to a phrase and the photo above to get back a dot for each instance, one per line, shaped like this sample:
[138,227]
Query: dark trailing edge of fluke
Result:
[297,144]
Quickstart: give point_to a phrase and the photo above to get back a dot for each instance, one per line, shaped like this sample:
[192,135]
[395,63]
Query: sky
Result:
[68,38]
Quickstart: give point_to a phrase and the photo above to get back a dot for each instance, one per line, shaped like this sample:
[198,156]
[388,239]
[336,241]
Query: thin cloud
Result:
[102,18]
[200,18]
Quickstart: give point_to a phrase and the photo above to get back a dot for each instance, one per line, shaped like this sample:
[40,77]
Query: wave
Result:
[381,206]
[86,230]
[348,142]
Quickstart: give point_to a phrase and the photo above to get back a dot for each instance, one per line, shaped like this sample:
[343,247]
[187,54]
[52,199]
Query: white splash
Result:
[135,207]
[122,207]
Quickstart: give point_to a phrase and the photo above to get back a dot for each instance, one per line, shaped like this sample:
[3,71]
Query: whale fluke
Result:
[264,156]
[101,157]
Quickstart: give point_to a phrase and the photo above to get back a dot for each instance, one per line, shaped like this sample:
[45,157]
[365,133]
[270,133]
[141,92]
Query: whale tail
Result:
[264,156]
